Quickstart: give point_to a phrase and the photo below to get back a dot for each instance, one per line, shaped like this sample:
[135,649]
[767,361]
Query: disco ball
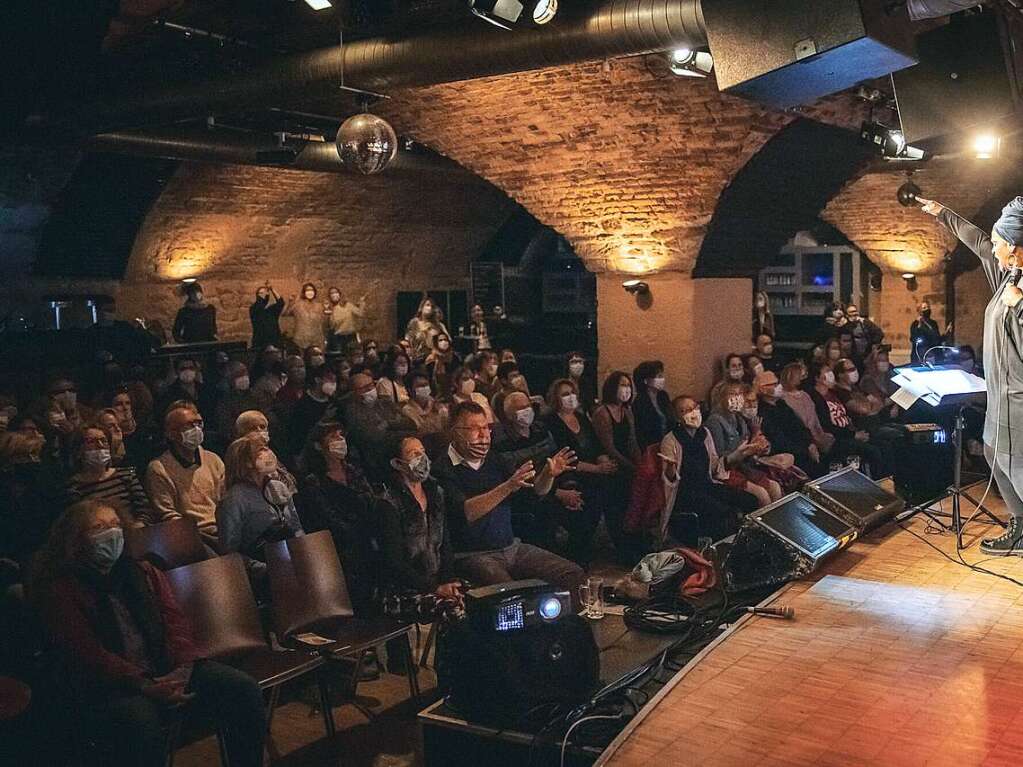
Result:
[366,143]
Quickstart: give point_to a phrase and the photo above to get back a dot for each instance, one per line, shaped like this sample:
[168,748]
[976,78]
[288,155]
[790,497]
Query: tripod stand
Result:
[956,491]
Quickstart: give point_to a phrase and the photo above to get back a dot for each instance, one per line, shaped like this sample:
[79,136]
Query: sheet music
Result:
[932,385]
[905,399]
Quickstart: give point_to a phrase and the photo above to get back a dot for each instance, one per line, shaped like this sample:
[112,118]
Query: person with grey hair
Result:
[1001,257]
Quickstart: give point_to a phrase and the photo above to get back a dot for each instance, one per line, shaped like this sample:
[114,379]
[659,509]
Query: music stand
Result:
[944,387]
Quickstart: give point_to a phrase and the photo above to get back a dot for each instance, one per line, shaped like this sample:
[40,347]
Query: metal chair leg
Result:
[271,706]
[431,639]
[413,669]
[328,712]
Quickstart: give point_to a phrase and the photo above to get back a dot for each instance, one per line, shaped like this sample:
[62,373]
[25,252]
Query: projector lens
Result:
[550,608]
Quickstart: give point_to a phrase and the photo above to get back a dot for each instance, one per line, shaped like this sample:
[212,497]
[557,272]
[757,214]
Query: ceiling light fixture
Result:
[890,141]
[986,146]
[686,62]
[509,13]
[319,5]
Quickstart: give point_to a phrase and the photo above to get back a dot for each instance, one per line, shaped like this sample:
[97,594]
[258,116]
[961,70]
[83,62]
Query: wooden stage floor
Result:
[896,656]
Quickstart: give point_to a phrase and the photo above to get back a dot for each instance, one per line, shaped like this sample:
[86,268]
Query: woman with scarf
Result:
[128,650]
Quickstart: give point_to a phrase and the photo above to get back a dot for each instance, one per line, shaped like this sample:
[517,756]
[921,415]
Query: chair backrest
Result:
[216,597]
[307,584]
[170,544]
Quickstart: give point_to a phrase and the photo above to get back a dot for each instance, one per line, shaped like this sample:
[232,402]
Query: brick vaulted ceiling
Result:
[624,159]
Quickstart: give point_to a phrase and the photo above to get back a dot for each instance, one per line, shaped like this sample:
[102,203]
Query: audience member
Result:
[484,366]
[423,329]
[377,426]
[95,479]
[343,319]
[424,410]
[310,318]
[478,490]
[315,405]
[585,381]
[294,387]
[186,386]
[391,384]
[186,480]
[441,362]
[265,317]
[782,427]
[128,648]
[764,350]
[763,319]
[29,490]
[196,320]
[866,335]
[736,445]
[234,401]
[463,389]
[834,418]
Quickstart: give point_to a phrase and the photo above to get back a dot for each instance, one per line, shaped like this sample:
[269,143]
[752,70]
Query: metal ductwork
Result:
[203,145]
[608,29]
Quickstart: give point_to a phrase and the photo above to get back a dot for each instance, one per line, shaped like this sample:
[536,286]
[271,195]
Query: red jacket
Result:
[70,612]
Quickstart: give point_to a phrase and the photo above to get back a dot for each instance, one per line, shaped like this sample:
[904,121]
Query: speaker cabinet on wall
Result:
[788,52]
[961,84]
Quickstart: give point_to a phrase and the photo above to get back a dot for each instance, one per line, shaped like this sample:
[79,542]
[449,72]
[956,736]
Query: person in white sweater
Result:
[186,480]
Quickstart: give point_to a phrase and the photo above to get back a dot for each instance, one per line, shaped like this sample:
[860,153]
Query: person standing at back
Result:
[265,316]
[196,321]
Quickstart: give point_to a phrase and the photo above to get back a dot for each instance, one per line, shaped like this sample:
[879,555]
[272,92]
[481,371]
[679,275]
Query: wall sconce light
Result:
[910,279]
[636,287]
[189,280]
[907,194]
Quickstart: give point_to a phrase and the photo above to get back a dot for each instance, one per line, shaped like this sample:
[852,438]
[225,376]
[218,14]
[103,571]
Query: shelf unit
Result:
[805,279]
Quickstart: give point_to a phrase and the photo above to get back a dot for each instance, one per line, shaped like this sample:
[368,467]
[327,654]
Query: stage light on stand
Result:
[686,62]
[986,146]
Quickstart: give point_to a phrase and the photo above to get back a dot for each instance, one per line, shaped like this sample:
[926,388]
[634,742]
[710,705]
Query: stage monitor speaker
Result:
[499,677]
[961,84]
[783,541]
[788,52]
[855,498]
[924,470]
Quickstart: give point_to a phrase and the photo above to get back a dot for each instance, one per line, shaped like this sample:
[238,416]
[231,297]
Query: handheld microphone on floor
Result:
[786,612]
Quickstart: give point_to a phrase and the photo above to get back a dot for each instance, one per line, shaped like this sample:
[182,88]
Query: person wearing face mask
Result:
[294,387]
[595,474]
[187,385]
[441,362]
[343,319]
[314,357]
[763,319]
[186,480]
[428,414]
[478,332]
[699,500]
[94,478]
[579,373]
[764,352]
[423,328]
[335,495]
[735,442]
[238,398]
[129,651]
[834,418]
[616,429]
[268,384]
[108,421]
[196,320]
[252,424]
[479,489]
[375,425]
[1001,256]
[29,492]
[924,335]
[798,399]
[391,385]
[484,366]
[866,334]
[654,417]
[265,317]
[317,404]
[415,538]
[860,406]
[782,427]
[310,319]
[463,389]
[257,508]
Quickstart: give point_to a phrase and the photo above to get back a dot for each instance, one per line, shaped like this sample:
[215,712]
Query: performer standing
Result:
[1001,255]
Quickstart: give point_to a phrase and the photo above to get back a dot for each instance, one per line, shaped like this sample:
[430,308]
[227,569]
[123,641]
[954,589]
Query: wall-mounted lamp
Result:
[636,287]
[189,280]
[910,279]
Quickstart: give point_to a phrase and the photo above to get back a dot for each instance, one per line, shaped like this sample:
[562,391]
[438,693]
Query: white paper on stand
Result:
[904,398]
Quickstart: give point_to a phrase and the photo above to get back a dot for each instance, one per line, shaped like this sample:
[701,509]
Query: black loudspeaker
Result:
[924,470]
[499,678]
[783,541]
[961,84]
[855,498]
[788,52]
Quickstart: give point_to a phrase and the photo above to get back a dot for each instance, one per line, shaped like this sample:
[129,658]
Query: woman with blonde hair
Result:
[735,443]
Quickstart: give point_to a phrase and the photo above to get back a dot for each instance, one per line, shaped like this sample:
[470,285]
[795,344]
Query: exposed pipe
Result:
[202,145]
[609,29]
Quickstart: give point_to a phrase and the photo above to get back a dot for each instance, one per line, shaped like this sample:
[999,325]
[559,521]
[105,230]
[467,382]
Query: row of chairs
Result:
[308,594]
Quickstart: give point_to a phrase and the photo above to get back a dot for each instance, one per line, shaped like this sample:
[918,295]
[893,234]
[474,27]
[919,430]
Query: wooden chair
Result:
[170,544]
[216,597]
[308,593]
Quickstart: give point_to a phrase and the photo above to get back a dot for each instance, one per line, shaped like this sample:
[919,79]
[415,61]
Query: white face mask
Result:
[338,448]
[401,370]
[96,459]
[624,394]
[658,383]
[853,376]
[576,368]
[735,375]
[443,346]
[829,378]
[369,397]
[328,388]
[316,360]
[423,393]
[266,463]
[693,419]
[525,417]
[570,403]
[734,403]
[277,493]
[187,376]
[778,391]
[491,371]
[467,387]
[242,383]
[768,350]
[191,438]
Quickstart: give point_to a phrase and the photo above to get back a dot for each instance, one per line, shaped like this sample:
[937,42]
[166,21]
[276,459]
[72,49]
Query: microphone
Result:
[786,612]
[1014,276]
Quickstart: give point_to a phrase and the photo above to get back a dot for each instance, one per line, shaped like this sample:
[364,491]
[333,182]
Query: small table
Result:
[449,739]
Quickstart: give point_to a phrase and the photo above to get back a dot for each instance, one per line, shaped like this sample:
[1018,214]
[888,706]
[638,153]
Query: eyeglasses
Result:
[98,441]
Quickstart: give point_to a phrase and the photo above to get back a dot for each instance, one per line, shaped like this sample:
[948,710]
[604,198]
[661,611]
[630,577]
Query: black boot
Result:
[1008,543]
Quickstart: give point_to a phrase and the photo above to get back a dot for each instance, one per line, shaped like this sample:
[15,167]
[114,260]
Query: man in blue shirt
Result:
[477,487]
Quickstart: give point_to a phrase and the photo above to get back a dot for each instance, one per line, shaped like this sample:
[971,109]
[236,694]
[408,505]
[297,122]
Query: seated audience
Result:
[478,490]
[107,420]
[428,414]
[186,480]
[793,377]
[484,366]
[736,445]
[765,353]
[834,418]
[187,386]
[782,427]
[414,537]
[268,385]
[585,381]
[377,426]
[294,386]
[336,496]
[314,357]
[128,649]
[441,361]
[699,500]
[316,404]
[391,384]
[236,399]
[136,435]
[463,389]
[256,509]
[94,478]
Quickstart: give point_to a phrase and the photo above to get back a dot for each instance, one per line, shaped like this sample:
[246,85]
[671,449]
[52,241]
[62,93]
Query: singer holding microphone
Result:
[1001,256]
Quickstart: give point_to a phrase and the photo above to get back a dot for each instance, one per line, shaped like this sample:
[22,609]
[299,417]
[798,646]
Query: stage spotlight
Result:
[506,13]
[685,62]
[636,287]
[319,5]
[890,141]
[986,146]
[550,608]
